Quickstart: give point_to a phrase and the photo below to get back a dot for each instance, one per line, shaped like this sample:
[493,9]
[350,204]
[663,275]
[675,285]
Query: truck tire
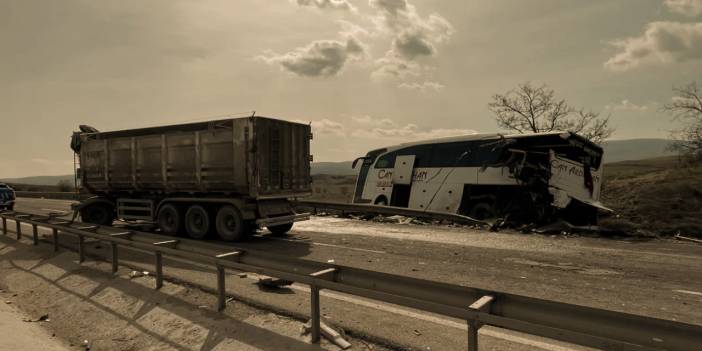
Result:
[280,229]
[98,213]
[169,219]
[197,222]
[230,224]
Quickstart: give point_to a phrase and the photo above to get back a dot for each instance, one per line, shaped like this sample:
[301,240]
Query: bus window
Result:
[386,161]
[451,155]
[422,154]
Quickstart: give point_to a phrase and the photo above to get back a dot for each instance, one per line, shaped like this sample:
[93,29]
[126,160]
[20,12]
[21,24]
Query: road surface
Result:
[656,278]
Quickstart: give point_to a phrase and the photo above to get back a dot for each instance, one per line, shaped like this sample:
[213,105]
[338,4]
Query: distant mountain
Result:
[635,149]
[39,180]
[332,168]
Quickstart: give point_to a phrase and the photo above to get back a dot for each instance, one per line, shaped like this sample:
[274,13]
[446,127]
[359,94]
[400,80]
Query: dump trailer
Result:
[227,176]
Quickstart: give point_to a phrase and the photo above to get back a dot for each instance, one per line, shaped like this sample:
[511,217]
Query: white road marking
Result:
[323,244]
[689,292]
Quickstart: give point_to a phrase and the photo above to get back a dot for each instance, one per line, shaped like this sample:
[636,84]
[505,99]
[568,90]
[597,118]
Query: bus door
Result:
[402,180]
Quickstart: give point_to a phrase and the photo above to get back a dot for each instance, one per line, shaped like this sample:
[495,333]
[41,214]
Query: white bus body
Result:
[486,175]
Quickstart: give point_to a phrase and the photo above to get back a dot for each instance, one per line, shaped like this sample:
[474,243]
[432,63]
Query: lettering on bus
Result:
[560,167]
[385,177]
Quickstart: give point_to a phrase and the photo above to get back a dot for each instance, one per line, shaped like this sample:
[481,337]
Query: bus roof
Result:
[489,136]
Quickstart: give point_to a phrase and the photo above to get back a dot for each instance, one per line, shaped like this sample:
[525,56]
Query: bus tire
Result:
[197,222]
[280,229]
[97,213]
[381,200]
[230,224]
[169,219]
[482,211]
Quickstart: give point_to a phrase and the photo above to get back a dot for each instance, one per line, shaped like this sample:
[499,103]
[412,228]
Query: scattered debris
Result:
[270,282]
[8,302]
[685,238]
[242,275]
[417,332]
[43,318]
[137,274]
[334,336]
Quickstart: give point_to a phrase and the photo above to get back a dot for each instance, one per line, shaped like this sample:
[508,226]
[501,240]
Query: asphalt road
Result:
[658,278]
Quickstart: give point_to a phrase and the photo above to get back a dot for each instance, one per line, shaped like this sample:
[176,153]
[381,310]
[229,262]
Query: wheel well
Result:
[381,198]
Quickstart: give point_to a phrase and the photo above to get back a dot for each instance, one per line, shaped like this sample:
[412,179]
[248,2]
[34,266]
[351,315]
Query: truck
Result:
[227,176]
[525,177]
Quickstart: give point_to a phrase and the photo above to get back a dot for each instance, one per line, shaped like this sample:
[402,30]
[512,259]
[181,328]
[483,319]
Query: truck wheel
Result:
[169,219]
[99,213]
[230,224]
[197,222]
[280,229]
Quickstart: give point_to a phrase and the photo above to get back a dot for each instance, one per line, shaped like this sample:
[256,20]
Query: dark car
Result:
[7,197]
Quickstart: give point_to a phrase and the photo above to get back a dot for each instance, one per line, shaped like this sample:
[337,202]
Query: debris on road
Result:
[43,318]
[685,238]
[275,283]
[334,336]
[137,274]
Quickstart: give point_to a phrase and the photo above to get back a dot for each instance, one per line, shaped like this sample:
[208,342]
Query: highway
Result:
[654,277]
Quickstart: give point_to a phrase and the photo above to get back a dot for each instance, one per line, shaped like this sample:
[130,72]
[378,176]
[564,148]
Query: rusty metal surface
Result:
[254,156]
[581,325]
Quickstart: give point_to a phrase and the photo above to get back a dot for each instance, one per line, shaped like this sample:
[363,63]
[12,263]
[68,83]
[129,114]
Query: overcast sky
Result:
[366,73]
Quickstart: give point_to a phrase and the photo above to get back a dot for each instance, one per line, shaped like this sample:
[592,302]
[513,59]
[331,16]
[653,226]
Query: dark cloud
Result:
[662,42]
[321,58]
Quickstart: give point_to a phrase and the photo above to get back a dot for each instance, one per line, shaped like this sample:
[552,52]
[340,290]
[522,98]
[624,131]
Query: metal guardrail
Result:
[580,325]
[386,210]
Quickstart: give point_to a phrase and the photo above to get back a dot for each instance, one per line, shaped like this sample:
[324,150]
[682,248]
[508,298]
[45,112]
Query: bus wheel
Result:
[280,229]
[99,213]
[230,224]
[482,211]
[197,222]
[381,200]
[169,219]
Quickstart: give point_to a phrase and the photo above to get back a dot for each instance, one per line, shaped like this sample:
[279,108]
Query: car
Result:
[7,197]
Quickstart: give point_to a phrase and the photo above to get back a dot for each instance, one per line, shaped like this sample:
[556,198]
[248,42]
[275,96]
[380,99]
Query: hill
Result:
[39,180]
[635,149]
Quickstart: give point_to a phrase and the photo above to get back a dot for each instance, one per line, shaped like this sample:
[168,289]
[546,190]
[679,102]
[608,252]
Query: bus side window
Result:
[451,155]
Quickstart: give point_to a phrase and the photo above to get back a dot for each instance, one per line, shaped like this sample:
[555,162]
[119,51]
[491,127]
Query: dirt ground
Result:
[87,306]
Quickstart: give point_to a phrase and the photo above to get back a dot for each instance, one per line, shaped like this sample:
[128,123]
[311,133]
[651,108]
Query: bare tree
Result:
[529,109]
[686,107]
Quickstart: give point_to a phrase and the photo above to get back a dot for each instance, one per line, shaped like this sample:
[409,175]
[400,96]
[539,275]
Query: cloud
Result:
[414,36]
[321,58]
[368,127]
[423,87]
[662,42]
[328,127]
[327,4]
[393,67]
[690,8]
[626,105]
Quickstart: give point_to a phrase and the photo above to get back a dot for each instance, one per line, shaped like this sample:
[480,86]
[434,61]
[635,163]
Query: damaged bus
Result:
[525,177]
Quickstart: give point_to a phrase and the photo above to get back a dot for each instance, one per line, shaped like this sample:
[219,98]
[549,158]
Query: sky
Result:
[365,73]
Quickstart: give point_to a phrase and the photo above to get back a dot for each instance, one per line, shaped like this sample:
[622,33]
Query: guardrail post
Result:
[221,289]
[159,270]
[35,235]
[18,229]
[314,318]
[54,233]
[483,304]
[115,259]
[81,249]
[4,226]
